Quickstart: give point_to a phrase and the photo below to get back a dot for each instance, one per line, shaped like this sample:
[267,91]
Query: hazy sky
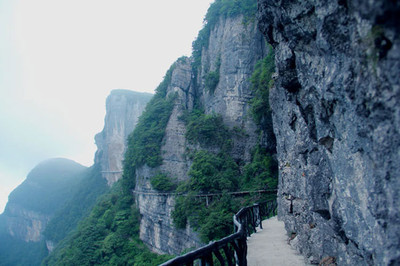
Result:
[59,59]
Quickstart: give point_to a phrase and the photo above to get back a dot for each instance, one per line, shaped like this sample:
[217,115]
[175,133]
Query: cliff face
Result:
[25,224]
[336,114]
[156,225]
[123,109]
[233,49]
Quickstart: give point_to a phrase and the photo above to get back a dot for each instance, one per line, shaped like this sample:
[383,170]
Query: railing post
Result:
[228,254]
[238,253]
[244,250]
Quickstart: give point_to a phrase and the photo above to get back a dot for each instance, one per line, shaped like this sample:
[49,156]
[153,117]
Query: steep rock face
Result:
[156,226]
[336,112]
[25,224]
[173,149]
[123,109]
[234,47]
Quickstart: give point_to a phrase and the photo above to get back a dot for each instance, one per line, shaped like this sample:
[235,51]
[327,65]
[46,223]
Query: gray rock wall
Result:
[336,114]
[25,224]
[156,225]
[239,46]
[174,145]
[123,109]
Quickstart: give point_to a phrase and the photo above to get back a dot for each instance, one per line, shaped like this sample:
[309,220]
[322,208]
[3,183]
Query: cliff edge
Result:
[123,109]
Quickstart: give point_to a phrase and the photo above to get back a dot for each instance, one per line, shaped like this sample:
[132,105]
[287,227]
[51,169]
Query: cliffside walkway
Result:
[255,242]
[269,246]
[230,250]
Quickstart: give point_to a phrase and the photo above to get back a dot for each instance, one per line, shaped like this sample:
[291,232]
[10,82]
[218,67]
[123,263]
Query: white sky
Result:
[59,59]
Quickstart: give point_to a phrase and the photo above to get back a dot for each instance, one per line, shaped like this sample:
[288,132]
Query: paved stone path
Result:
[269,246]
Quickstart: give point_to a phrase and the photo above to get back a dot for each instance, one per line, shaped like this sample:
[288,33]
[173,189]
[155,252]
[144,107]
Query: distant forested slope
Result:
[47,188]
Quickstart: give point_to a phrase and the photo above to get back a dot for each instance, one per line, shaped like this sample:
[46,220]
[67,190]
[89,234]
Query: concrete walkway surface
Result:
[269,246]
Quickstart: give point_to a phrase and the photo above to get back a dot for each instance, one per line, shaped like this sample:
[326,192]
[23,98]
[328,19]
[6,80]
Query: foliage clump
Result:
[217,175]
[144,144]
[210,173]
[261,81]
[206,129]
[212,222]
[214,172]
[79,205]
[108,236]
[212,78]
[163,182]
[261,173]
[211,81]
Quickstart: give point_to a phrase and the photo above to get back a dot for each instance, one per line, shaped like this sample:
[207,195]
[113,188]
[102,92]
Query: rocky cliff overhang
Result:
[336,112]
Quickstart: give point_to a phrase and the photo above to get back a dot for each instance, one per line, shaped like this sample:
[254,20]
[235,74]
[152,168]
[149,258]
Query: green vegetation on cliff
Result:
[262,81]
[214,171]
[81,202]
[108,236]
[163,182]
[220,174]
[110,233]
[45,192]
[206,130]
[261,172]
[18,252]
[144,144]
[212,77]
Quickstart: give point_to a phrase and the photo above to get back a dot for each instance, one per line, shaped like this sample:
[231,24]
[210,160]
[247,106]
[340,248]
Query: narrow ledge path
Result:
[269,246]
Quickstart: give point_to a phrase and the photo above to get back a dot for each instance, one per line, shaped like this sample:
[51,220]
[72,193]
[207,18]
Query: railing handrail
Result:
[143,192]
[250,215]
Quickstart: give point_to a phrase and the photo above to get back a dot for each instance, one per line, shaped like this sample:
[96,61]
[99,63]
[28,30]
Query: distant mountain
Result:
[59,193]
[30,207]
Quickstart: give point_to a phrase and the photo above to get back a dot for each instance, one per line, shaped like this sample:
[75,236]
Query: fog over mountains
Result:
[55,72]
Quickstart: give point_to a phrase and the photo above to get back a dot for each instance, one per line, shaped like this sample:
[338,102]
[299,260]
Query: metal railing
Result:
[231,250]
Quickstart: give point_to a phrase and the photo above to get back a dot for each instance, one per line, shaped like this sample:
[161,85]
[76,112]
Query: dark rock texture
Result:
[336,112]
[123,109]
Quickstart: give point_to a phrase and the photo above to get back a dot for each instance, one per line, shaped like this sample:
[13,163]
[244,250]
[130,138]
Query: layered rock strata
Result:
[123,109]
[233,49]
